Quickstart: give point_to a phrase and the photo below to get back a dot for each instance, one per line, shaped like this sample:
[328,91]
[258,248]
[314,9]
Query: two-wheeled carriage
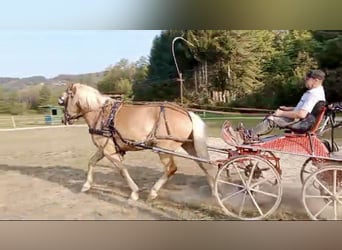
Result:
[248,183]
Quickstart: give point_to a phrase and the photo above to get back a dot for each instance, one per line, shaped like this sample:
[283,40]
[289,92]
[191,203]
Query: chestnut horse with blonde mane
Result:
[117,127]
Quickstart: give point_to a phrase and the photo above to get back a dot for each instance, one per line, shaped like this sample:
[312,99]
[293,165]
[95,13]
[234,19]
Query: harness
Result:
[108,128]
[107,125]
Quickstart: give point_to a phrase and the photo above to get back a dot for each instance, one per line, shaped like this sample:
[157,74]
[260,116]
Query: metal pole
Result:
[180,78]
[181,86]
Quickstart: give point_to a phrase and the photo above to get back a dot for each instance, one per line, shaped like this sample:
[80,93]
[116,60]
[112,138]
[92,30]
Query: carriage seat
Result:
[311,122]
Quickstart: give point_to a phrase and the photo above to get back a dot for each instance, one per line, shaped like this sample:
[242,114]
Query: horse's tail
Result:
[199,134]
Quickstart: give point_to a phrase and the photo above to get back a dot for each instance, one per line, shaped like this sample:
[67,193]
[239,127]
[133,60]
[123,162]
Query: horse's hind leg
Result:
[116,160]
[92,162]
[170,169]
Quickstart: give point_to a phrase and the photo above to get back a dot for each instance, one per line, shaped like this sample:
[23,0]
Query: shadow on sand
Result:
[182,192]
[183,197]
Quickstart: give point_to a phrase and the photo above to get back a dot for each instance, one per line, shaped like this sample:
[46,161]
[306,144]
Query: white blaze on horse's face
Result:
[62,99]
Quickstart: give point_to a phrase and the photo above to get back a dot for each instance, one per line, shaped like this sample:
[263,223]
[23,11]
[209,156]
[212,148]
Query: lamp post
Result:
[180,76]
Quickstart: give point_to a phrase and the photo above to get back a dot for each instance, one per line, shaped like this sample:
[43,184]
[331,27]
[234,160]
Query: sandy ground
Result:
[42,172]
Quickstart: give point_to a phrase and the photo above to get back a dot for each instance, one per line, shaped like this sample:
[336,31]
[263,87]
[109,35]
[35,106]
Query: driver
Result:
[286,116]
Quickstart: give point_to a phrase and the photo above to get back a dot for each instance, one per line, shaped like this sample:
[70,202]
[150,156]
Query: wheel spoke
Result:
[334,191]
[259,182]
[335,210]
[251,174]
[263,192]
[335,194]
[323,186]
[323,208]
[233,194]
[241,178]
[242,203]
[318,196]
[254,202]
[338,200]
[334,182]
[231,183]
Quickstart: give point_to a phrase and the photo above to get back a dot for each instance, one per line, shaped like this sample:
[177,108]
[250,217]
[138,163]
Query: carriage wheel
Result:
[331,148]
[307,169]
[322,194]
[335,147]
[251,191]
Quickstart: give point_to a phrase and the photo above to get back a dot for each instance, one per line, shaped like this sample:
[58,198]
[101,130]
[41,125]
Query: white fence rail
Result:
[21,121]
[24,121]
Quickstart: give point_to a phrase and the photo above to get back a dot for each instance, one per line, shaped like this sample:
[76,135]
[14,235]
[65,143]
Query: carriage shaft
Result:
[171,152]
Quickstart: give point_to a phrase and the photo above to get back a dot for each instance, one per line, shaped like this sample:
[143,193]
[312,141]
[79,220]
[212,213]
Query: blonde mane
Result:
[88,98]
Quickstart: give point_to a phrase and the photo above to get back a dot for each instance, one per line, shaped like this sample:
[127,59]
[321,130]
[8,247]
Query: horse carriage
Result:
[252,172]
[246,182]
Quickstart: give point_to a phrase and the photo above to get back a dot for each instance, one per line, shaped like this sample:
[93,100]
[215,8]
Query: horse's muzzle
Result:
[61,100]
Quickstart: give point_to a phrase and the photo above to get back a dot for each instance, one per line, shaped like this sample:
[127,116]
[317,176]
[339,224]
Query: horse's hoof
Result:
[152,196]
[134,196]
[130,204]
[85,188]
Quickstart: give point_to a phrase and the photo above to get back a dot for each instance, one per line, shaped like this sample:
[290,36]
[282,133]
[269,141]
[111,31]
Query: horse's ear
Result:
[69,87]
[73,89]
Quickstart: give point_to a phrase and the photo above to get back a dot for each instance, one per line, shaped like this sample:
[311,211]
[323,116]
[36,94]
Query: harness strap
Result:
[153,134]
[107,125]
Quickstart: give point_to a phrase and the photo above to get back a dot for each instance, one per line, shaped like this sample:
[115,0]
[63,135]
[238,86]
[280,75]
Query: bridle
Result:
[64,102]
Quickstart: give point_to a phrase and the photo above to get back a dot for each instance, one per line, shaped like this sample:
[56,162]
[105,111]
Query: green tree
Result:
[284,69]
[234,58]
[161,81]
[328,53]
[118,78]
[30,96]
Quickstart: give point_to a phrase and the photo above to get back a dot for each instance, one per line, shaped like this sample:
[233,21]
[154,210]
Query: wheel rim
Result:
[251,191]
[307,170]
[324,202]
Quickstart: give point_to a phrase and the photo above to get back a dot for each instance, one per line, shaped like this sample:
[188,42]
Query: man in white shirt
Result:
[287,116]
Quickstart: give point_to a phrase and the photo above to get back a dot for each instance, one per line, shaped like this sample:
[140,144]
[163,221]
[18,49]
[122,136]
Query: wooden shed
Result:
[52,114]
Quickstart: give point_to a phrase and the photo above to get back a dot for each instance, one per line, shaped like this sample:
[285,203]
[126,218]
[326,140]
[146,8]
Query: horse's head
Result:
[68,99]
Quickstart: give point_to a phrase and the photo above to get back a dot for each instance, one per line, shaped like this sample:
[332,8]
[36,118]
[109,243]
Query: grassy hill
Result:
[12,83]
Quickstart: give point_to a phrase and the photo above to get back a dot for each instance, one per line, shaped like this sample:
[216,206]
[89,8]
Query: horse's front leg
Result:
[116,159]
[92,162]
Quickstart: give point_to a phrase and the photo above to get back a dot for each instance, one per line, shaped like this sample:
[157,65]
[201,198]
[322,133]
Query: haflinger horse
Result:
[116,127]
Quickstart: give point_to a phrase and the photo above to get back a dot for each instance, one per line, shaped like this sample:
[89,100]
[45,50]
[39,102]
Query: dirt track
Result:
[42,171]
